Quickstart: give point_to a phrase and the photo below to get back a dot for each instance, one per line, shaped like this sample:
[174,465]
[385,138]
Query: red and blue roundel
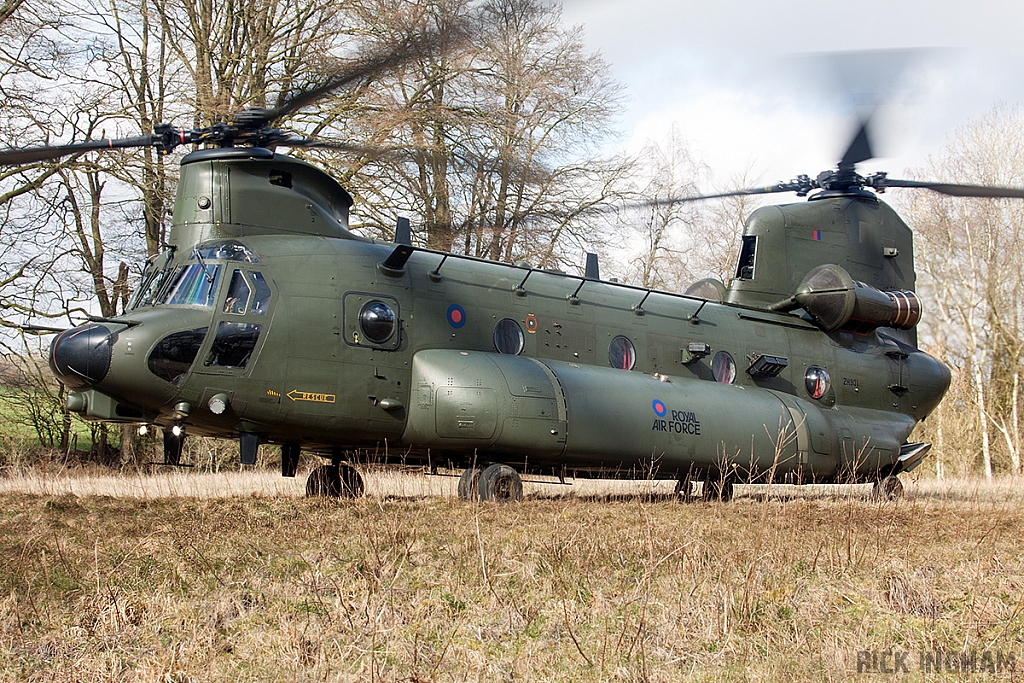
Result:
[456,316]
[659,408]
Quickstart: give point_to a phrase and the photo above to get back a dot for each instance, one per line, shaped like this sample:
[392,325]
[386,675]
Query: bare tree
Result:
[970,257]
[497,133]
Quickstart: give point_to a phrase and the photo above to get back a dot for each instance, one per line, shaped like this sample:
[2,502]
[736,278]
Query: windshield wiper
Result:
[202,263]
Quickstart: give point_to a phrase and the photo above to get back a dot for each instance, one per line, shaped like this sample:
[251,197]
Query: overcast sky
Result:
[741,81]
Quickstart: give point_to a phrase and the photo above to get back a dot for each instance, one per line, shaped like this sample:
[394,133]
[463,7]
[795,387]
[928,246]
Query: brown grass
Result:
[162,579]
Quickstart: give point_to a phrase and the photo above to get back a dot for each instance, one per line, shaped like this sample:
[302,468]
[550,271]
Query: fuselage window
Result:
[817,381]
[508,337]
[621,353]
[194,285]
[233,345]
[377,321]
[723,367]
[238,294]
[262,298]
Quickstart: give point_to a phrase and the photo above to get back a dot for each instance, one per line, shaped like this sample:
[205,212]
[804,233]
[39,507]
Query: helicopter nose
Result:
[81,357]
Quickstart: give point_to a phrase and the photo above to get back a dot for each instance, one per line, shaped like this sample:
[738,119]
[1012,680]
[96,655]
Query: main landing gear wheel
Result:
[684,489]
[469,483]
[889,488]
[334,481]
[501,484]
[717,488]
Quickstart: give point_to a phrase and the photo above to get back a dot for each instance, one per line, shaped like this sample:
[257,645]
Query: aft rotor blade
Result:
[859,149]
[29,155]
[955,189]
[772,189]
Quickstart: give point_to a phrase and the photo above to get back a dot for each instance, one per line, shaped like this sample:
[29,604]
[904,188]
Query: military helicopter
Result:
[267,320]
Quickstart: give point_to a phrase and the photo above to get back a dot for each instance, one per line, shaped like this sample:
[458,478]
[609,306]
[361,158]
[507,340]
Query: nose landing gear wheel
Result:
[501,484]
[334,481]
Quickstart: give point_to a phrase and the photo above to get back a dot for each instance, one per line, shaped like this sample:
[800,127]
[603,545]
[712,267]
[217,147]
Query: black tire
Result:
[684,489]
[889,488]
[501,484]
[323,482]
[351,482]
[468,483]
[718,489]
[334,481]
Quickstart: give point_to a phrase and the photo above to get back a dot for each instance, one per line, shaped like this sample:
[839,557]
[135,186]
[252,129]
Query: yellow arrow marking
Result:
[297,395]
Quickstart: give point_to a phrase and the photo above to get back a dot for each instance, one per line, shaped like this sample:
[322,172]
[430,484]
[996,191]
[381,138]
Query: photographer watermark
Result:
[935,661]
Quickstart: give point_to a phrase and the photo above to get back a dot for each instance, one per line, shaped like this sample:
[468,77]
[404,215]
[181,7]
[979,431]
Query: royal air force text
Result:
[680,422]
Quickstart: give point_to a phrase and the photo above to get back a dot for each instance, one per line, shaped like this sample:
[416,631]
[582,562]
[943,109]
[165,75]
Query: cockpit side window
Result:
[745,269]
[193,285]
[238,294]
[262,298]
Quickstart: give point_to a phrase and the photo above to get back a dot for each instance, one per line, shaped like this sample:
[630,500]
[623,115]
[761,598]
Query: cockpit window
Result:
[745,269]
[225,250]
[233,345]
[193,285]
[238,294]
[259,303]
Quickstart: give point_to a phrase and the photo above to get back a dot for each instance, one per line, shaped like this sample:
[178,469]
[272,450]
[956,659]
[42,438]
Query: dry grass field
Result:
[198,577]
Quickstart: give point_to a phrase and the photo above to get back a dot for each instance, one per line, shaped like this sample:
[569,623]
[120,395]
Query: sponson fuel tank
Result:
[552,410]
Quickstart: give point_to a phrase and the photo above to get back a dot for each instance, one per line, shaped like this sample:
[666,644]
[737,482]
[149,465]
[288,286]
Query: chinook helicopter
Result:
[266,320]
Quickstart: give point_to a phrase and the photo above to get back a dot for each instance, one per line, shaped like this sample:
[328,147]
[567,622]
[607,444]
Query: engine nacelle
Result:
[835,300]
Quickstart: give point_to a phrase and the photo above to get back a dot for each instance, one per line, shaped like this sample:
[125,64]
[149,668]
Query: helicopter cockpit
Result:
[238,311]
[219,287]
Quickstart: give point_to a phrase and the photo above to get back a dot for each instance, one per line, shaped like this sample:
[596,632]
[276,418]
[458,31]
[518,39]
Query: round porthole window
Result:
[723,367]
[377,321]
[817,381]
[621,353]
[508,337]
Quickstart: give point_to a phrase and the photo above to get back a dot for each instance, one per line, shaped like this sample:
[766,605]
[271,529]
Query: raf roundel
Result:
[659,408]
[456,316]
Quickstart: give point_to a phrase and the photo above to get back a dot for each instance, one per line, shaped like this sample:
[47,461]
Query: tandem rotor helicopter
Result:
[267,320]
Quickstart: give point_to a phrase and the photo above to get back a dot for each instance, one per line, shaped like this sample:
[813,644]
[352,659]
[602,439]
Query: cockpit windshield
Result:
[193,285]
[153,279]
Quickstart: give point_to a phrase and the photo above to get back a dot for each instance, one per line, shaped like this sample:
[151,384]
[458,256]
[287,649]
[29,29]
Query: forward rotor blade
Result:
[339,145]
[383,61]
[29,155]
[955,189]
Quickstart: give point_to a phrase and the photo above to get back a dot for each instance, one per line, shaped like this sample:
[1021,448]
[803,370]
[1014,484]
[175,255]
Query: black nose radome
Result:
[81,357]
